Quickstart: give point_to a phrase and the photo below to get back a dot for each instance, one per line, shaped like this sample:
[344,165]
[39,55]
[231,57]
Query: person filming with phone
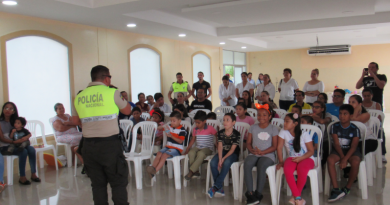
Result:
[376,82]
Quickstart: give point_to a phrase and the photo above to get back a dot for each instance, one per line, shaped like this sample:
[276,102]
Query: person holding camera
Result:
[376,82]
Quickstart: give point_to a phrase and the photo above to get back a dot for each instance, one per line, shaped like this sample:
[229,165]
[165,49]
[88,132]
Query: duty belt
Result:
[99,118]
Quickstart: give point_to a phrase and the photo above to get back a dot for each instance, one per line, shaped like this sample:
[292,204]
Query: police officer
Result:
[179,86]
[97,109]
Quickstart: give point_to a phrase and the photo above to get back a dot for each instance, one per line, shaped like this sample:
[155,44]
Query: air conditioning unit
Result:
[329,50]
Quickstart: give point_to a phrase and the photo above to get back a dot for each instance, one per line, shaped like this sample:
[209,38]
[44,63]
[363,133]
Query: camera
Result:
[366,71]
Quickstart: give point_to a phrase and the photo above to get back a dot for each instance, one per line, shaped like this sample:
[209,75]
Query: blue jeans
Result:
[219,177]
[30,151]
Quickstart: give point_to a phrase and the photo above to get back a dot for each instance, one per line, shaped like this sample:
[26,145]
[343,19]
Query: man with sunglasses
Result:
[338,100]
[96,109]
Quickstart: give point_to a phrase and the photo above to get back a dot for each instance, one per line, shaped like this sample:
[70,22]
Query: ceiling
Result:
[258,25]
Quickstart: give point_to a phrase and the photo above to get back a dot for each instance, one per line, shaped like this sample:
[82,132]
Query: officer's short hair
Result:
[178,74]
[201,72]
[98,72]
[158,96]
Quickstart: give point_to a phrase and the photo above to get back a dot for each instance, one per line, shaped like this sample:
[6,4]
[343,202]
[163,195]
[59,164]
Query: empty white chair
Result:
[32,127]
[378,152]
[243,128]
[148,135]
[67,147]
[282,113]
[175,161]
[278,122]
[224,109]
[314,174]
[362,175]
[252,112]
[145,115]
[307,111]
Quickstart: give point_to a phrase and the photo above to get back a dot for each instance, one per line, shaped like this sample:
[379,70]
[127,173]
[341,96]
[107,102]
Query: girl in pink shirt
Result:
[243,116]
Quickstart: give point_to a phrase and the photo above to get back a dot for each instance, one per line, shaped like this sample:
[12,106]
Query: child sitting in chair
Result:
[18,133]
[175,137]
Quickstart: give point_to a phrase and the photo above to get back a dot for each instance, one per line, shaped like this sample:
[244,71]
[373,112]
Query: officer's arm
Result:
[76,120]
[126,110]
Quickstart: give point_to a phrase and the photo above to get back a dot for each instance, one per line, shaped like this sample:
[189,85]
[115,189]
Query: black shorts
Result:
[345,151]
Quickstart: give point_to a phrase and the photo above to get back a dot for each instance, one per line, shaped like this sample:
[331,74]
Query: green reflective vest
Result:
[177,87]
[96,103]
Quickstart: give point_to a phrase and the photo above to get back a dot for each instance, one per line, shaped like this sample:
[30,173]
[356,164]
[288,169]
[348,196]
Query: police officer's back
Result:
[97,109]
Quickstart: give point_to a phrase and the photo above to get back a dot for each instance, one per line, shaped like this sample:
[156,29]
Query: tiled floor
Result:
[62,188]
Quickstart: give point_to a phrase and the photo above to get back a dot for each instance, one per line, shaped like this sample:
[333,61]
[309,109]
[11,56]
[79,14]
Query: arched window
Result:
[38,76]
[145,70]
[201,62]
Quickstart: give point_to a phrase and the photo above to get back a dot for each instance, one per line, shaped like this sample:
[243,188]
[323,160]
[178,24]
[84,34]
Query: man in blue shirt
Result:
[338,100]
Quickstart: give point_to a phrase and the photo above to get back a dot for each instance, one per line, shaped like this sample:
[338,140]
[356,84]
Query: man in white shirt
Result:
[159,98]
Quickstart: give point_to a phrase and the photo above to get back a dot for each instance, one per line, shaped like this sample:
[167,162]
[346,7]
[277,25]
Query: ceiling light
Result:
[10,3]
[131,25]
[244,47]
[182,35]
[222,43]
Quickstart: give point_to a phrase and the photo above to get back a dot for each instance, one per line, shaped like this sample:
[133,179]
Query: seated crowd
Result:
[264,142]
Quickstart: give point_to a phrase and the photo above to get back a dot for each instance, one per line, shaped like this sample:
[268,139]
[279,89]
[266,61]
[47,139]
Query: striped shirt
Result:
[178,133]
[205,137]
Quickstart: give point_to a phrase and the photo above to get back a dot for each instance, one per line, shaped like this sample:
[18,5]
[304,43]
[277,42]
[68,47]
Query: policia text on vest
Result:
[94,100]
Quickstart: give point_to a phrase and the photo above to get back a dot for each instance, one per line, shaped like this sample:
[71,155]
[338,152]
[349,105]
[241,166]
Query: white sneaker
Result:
[384,160]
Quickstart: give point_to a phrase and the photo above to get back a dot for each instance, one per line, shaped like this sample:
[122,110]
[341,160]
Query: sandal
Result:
[36,179]
[25,183]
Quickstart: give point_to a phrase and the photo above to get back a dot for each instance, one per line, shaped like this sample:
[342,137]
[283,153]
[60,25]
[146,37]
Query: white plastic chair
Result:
[314,174]
[282,113]
[175,161]
[220,117]
[362,175]
[278,122]
[10,159]
[67,147]
[378,152]
[32,127]
[334,119]
[145,115]
[321,126]
[224,109]
[148,135]
[307,111]
[196,110]
[271,179]
[252,112]
[374,125]
[243,128]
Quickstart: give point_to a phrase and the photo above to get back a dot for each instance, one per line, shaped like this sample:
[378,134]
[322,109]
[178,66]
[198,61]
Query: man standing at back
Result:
[179,86]
[97,108]
[201,84]
[376,82]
